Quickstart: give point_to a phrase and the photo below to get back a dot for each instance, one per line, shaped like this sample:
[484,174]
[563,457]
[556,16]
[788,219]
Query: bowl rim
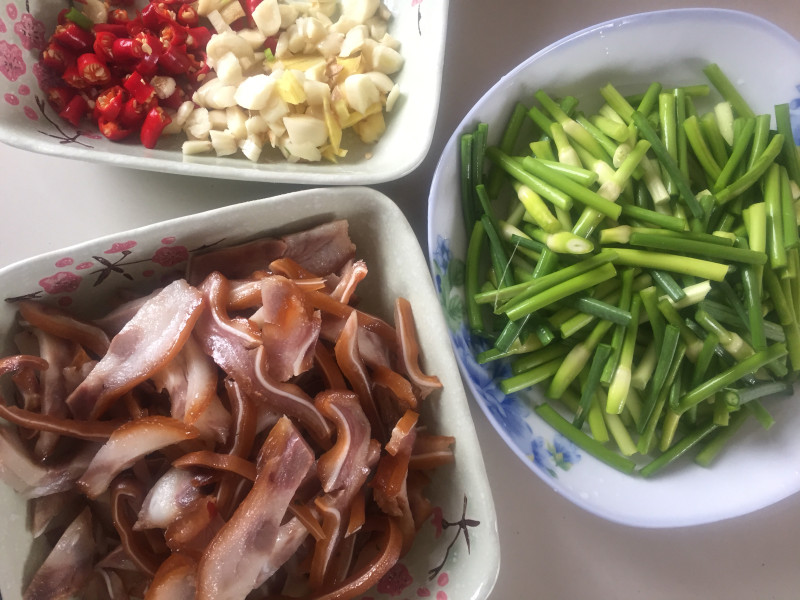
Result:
[634,19]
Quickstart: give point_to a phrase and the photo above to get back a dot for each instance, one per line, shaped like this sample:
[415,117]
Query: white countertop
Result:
[550,548]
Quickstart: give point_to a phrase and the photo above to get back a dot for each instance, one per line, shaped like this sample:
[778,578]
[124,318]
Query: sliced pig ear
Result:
[68,567]
[176,579]
[252,545]
[154,336]
[408,350]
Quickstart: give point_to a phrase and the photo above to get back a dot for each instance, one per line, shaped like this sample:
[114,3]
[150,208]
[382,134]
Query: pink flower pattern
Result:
[2,26]
[11,63]
[31,32]
[395,581]
[45,77]
[60,283]
[120,247]
[167,256]
[11,10]
[11,99]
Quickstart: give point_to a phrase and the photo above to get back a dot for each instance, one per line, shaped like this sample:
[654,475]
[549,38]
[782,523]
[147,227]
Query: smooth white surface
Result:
[551,549]
[760,468]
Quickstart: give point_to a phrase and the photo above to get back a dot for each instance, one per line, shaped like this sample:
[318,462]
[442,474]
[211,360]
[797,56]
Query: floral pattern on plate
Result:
[549,453]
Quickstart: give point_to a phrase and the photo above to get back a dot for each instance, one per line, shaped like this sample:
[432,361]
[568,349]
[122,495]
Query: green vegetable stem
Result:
[640,263]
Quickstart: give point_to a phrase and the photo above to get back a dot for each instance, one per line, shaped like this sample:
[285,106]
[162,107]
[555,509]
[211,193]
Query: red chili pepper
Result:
[198,72]
[118,16]
[197,37]
[118,29]
[72,78]
[177,98]
[175,61]
[61,19]
[75,110]
[173,34]
[57,58]
[155,15]
[187,16]
[93,69]
[153,125]
[103,44]
[113,130]
[139,89]
[109,103]
[132,114]
[127,50]
[148,66]
[73,37]
[150,43]
[59,97]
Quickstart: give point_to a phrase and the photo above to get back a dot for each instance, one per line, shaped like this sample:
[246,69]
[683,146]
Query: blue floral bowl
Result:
[631,52]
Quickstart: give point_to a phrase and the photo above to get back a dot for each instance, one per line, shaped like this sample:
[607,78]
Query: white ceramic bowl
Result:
[26,121]
[87,275]
[671,47]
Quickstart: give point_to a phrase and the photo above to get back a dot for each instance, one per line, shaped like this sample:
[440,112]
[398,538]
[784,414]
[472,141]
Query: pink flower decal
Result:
[46,78]
[395,581]
[167,256]
[31,32]
[30,113]
[11,63]
[64,262]
[85,265]
[2,26]
[441,595]
[11,9]
[443,579]
[423,592]
[62,282]
[120,247]
[23,90]
[11,99]
[168,240]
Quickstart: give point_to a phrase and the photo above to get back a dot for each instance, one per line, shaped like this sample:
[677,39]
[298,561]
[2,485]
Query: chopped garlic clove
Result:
[305,129]
[228,69]
[224,143]
[251,148]
[360,92]
[354,41]
[267,17]
[236,118]
[217,118]
[359,10]
[386,60]
[306,151]
[164,85]
[254,92]
[196,146]
[198,124]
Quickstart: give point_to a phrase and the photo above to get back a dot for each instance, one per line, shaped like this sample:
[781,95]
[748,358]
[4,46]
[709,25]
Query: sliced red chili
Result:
[197,37]
[173,34]
[187,16]
[198,72]
[151,44]
[132,114]
[73,37]
[61,18]
[148,66]
[59,97]
[155,15]
[127,50]
[103,44]
[153,126]
[175,61]
[75,110]
[72,77]
[113,130]
[108,104]
[57,58]
[175,99]
[139,89]
[118,16]
[118,29]
[93,69]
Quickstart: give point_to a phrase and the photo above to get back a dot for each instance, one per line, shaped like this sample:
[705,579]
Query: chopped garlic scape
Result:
[330,71]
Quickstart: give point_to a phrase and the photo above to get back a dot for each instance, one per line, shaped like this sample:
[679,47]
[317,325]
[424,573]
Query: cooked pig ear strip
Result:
[240,557]
[149,340]
[128,444]
[323,249]
[28,477]
[56,322]
[126,501]
[353,273]
[355,371]
[241,355]
[68,567]
[236,262]
[174,580]
[174,491]
[408,349]
[290,329]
